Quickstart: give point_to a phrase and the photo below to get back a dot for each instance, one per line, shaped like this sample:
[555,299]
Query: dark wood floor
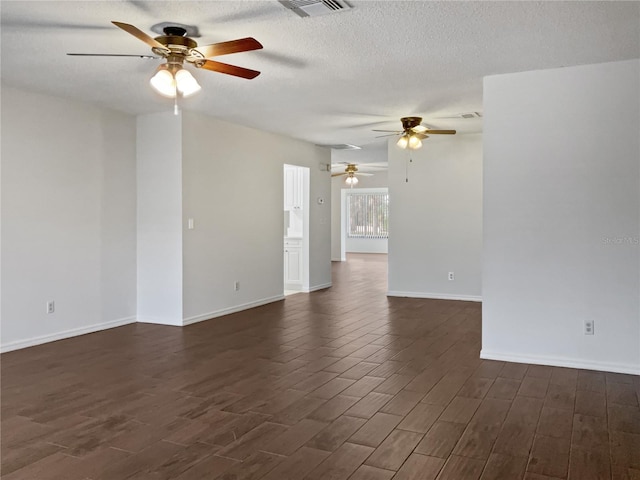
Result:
[339,384]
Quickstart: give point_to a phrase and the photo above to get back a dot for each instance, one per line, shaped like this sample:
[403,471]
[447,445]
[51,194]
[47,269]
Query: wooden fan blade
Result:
[140,35]
[394,131]
[229,69]
[109,55]
[337,174]
[440,132]
[388,135]
[233,46]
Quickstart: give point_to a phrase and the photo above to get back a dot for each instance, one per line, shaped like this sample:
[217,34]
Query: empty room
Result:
[320,240]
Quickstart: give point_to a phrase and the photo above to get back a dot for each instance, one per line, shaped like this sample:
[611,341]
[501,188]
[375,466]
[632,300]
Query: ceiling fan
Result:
[351,171]
[413,133]
[171,78]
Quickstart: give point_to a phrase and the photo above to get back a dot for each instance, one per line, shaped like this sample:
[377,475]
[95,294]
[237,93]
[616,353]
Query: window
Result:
[368,215]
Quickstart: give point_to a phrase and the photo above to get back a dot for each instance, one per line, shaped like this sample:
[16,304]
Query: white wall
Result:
[68,218]
[160,222]
[72,212]
[367,245]
[562,216]
[436,218]
[234,191]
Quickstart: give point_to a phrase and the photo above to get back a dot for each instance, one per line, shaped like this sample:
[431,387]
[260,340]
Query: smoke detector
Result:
[314,8]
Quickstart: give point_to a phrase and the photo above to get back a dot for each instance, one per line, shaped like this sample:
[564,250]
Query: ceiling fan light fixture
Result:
[409,141]
[413,133]
[169,84]
[187,85]
[351,180]
[414,142]
[164,82]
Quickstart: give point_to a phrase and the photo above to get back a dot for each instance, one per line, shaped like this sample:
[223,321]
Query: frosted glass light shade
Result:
[186,83]
[164,83]
[409,141]
[351,180]
[169,84]
[414,142]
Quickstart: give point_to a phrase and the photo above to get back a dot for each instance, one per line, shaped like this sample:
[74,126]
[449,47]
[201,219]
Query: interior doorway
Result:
[296,229]
[364,221]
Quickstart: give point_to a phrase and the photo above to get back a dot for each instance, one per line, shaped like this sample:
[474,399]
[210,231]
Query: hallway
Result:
[338,384]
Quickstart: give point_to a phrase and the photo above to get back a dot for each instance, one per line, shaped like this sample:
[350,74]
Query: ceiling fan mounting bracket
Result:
[190,30]
[174,31]
[410,122]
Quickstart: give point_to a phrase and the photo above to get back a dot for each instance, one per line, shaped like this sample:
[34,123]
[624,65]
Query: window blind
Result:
[368,215]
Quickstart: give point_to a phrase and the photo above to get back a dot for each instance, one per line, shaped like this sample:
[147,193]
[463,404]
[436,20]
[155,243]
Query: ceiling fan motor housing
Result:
[176,40]
[177,47]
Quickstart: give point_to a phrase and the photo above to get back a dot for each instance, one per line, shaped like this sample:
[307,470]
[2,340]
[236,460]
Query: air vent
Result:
[314,8]
[471,115]
[340,146]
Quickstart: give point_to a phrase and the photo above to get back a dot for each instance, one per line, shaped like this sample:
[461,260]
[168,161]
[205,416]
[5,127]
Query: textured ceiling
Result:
[327,79]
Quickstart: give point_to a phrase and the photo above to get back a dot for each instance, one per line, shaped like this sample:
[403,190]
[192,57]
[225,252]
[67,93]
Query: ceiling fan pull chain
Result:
[406,169]
[175,106]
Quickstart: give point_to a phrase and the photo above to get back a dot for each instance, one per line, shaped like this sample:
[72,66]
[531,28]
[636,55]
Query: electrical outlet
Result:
[51,306]
[588,327]
[451,277]
[236,285]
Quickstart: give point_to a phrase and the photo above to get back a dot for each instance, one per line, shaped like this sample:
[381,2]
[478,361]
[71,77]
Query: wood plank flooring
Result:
[339,384]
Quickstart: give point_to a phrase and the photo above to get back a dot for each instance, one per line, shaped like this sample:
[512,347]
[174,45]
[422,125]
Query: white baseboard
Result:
[435,296]
[339,259]
[74,332]
[161,321]
[229,310]
[317,287]
[561,362]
